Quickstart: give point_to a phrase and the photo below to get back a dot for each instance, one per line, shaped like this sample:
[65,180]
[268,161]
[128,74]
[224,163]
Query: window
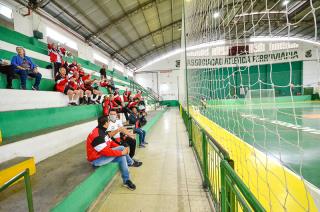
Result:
[6,16]
[5,11]
[130,73]
[57,36]
[100,60]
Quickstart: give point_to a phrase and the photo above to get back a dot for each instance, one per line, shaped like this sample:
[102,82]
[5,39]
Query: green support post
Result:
[205,160]
[28,190]
[26,176]
[223,189]
[190,130]
[231,195]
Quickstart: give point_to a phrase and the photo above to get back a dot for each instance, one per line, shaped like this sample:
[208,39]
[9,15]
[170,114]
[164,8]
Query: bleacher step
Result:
[28,99]
[46,145]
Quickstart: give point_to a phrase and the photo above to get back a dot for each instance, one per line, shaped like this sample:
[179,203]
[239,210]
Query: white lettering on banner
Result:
[249,59]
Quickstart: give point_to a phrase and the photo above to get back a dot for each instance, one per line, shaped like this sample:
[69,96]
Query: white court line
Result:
[284,124]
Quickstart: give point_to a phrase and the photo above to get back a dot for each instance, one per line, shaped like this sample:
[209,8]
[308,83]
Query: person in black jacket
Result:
[7,69]
[135,119]
[103,72]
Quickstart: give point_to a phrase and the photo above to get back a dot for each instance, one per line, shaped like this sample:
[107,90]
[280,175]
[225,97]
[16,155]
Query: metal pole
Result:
[28,190]
[205,160]
[186,69]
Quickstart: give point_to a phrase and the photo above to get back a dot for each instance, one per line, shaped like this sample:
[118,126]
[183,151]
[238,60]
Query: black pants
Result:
[56,67]
[126,111]
[128,141]
[8,70]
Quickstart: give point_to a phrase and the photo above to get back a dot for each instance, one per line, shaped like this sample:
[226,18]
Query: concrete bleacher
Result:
[40,125]
[28,99]
[67,173]
[37,50]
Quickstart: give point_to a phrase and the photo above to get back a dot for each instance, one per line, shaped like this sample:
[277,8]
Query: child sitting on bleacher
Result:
[24,67]
[63,86]
[7,69]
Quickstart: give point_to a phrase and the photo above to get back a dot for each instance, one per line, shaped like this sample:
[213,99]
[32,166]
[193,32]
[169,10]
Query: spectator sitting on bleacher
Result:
[111,83]
[7,69]
[103,72]
[132,103]
[121,135]
[114,105]
[135,119]
[91,84]
[138,95]
[101,150]
[62,85]
[106,83]
[24,66]
[126,96]
[74,83]
[106,105]
[73,67]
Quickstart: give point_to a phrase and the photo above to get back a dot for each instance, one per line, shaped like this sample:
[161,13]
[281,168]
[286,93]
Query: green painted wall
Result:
[16,38]
[17,123]
[170,103]
[222,79]
[45,85]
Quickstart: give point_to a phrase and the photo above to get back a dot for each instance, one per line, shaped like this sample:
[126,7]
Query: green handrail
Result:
[25,174]
[227,189]
[244,190]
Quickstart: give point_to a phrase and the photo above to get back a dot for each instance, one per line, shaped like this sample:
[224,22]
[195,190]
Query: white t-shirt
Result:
[114,126]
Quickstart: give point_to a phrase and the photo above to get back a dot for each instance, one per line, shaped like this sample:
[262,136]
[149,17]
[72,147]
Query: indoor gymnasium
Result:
[160,105]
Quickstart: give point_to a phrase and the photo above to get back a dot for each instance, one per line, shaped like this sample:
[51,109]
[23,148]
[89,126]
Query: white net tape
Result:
[264,54]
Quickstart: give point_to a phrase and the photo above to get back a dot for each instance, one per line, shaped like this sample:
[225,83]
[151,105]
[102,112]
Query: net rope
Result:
[272,122]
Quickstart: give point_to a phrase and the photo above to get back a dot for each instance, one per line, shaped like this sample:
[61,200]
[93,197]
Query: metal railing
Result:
[228,191]
[26,176]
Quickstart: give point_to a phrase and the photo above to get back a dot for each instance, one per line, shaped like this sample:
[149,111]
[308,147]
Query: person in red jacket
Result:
[126,95]
[91,84]
[138,95]
[106,105]
[74,83]
[101,150]
[62,85]
[133,103]
[117,97]
[55,57]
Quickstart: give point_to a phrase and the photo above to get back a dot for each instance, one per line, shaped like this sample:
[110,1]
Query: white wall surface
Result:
[165,64]
[148,80]
[311,73]
[165,83]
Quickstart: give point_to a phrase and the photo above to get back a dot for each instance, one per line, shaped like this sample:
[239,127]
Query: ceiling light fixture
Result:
[216,14]
[285,2]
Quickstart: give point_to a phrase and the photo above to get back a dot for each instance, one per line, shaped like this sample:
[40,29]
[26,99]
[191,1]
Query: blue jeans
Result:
[123,162]
[23,77]
[141,133]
